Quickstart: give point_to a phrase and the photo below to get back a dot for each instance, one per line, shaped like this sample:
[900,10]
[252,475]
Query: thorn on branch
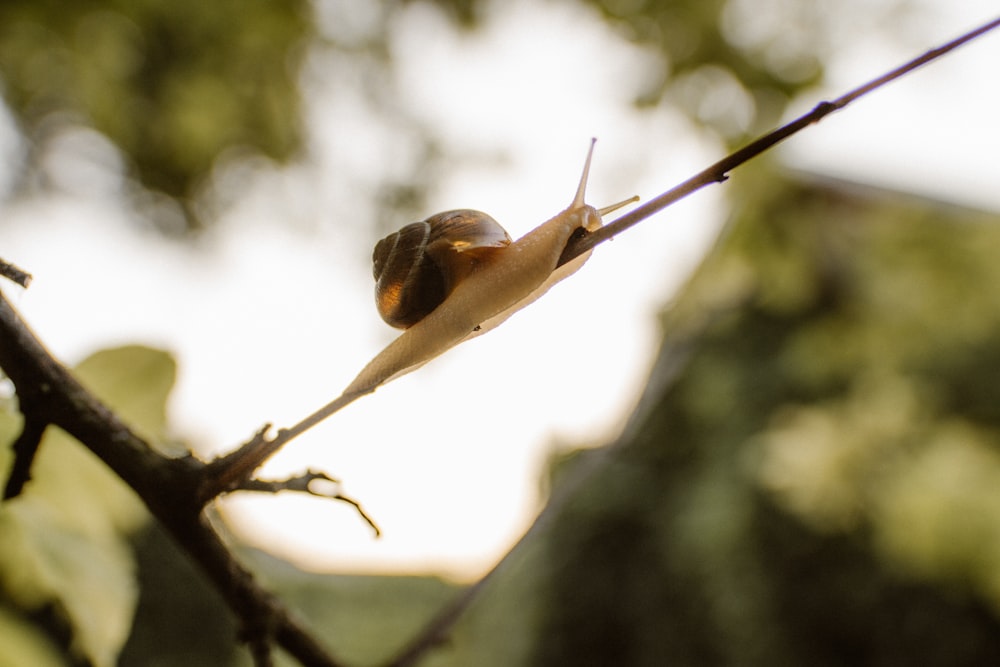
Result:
[25,448]
[313,483]
[258,633]
[14,273]
[260,650]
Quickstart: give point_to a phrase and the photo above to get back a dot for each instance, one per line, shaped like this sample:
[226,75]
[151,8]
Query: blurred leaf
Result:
[181,619]
[939,514]
[23,644]
[136,381]
[65,541]
[88,576]
[365,617]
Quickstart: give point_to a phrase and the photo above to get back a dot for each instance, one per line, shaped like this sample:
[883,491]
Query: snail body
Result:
[494,278]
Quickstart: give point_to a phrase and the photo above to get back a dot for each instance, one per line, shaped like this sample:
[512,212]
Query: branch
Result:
[304,484]
[169,487]
[231,470]
[719,171]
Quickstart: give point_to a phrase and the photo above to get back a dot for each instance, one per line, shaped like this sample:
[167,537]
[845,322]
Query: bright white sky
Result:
[272,316]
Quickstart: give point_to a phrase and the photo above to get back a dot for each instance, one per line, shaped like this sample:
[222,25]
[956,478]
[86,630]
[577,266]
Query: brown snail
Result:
[458,274]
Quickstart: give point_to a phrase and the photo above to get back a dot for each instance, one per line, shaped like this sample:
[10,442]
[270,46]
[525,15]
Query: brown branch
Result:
[169,487]
[229,471]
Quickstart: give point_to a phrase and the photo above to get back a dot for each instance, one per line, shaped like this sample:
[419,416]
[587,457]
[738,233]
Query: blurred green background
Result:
[810,475]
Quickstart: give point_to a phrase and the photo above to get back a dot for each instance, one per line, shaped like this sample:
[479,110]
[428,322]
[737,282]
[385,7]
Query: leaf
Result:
[65,541]
[136,382]
[23,644]
[89,578]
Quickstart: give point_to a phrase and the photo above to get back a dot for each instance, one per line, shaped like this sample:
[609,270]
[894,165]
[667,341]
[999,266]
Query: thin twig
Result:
[719,171]
[25,448]
[232,470]
[303,483]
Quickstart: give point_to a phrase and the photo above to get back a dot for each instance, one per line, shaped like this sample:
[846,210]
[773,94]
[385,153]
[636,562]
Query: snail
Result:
[484,278]
[458,274]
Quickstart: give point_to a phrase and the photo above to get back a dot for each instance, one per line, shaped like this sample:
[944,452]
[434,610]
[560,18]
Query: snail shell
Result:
[417,267]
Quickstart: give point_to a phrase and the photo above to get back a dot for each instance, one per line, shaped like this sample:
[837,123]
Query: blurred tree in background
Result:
[811,475]
[808,478]
[173,85]
[177,86]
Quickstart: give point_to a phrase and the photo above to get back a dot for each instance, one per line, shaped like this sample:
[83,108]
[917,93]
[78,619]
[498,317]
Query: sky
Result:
[272,314]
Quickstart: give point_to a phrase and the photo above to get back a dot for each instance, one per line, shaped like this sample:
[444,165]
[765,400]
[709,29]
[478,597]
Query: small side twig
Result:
[14,273]
[25,448]
[227,472]
[311,482]
[231,470]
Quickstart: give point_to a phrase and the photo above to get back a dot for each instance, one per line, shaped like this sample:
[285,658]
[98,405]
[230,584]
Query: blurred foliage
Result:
[731,65]
[173,83]
[811,476]
[719,69]
[362,619]
[182,621]
[179,620]
[66,564]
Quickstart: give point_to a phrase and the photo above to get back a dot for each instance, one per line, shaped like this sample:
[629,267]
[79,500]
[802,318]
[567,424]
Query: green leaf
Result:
[23,644]
[65,540]
[136,382]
